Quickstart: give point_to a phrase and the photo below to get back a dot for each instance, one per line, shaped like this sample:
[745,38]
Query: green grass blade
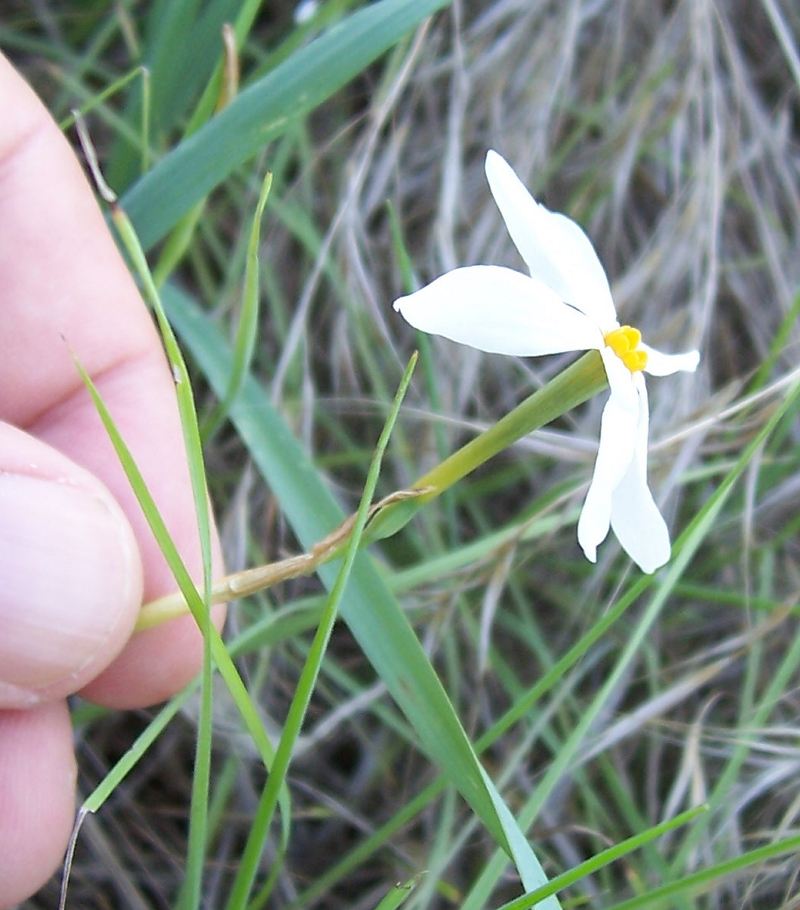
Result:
[328,12]
[423,342]
[780,680]
[96,100]
[177,243]
[527,901]
[308,677]
[264,111]
[180,237]
[222,658]
[700,881]
[247,329]
[210,97]
[124,765]
[201,776]
[398,895]
[372,613]
[198,814]
[185,397]
[114,777]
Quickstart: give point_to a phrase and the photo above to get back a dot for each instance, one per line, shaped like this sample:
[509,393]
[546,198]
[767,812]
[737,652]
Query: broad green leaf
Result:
[264,110]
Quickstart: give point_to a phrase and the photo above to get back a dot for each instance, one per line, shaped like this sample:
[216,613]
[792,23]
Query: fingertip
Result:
[37,797]
[72,575]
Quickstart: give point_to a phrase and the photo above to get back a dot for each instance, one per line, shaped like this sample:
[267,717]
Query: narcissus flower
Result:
[564,305]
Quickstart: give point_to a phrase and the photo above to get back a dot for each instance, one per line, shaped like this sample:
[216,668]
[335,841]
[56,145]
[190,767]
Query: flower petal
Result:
[635,518]
[614,454]
[555,249]
[659,364]
[500,311]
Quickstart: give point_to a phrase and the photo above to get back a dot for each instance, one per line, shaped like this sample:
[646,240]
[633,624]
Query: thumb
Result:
[70,573]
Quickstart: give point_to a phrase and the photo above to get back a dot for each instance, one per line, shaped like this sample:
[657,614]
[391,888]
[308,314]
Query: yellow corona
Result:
[624,342]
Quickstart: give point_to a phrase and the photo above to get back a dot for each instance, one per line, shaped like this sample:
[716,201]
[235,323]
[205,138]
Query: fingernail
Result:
[70,586]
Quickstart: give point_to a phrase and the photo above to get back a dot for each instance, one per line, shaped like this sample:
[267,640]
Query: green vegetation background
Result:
[602,705]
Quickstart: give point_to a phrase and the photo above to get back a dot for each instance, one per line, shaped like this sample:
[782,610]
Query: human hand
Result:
[76,556]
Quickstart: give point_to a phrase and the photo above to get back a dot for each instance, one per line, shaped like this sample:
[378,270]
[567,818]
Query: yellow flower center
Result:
[624,342]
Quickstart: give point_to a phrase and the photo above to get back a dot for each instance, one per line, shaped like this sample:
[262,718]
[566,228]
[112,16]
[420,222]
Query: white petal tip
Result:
[398,305]
[494,162]
[653,567]
[660,364]
[590,553]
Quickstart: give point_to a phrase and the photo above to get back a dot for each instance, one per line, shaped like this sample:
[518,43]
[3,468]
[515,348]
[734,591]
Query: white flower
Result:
[564,305]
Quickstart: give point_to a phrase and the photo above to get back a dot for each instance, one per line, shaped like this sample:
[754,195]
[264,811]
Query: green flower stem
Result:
[579,382]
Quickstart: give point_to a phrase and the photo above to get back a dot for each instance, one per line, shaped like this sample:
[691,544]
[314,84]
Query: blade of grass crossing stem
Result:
[219,652]
[683,551]
[198,813]
[259,831]
[698,882]
[264,110]
[309,674]
[373,614]
[569,388]
[527,901]
[247,329]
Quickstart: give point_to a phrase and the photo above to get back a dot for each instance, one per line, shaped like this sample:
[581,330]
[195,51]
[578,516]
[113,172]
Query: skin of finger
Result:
[65,290]
[37,797]
[72,579]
